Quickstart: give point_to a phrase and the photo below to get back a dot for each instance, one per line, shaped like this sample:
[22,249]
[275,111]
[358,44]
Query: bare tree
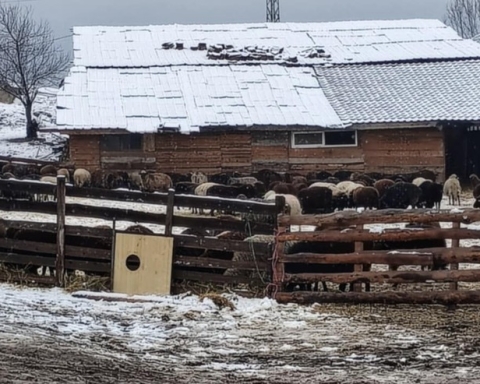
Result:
[464,17]
[29,58]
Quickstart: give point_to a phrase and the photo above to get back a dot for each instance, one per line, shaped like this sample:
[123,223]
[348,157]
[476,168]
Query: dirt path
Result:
[46,336]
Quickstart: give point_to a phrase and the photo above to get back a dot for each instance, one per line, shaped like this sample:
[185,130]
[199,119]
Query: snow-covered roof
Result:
[142,79]
[189,97]
[404,92]
[308,43]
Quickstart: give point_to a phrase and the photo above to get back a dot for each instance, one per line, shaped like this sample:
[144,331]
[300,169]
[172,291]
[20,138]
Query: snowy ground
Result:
[47,335]
[12,129]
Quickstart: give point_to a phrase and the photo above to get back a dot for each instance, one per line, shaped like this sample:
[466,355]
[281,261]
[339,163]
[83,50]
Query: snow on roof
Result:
[304,43]
[191,76]
[188,97]
[403,92]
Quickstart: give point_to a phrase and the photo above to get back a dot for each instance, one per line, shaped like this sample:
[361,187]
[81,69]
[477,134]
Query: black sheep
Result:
[412,244]
[185,188]
[340,202]
[260,189]
[476,191]
[401,195]
[319,247]
[267,176]
[315,200]
[342,175]
[432,194]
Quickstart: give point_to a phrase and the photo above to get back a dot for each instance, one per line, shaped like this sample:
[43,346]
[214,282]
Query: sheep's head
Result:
[476,204]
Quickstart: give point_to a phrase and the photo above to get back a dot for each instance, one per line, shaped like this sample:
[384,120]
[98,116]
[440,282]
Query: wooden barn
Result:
[376,96]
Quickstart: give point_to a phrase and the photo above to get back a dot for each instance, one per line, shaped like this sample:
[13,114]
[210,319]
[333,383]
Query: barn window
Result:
[324,139]
[307,140]
[126,142]
[341,139]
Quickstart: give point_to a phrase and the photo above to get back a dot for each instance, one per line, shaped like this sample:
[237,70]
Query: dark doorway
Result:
[462,146]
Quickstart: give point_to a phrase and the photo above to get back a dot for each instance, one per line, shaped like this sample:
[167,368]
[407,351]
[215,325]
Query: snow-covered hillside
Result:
[12,129]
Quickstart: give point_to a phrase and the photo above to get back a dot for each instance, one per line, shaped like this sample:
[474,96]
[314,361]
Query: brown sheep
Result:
[48,170]
[97,179]
[362,179]
[296,180]
[382,185]
[154,182]
[64,172]
[366,197]
[139,229]
[285,188]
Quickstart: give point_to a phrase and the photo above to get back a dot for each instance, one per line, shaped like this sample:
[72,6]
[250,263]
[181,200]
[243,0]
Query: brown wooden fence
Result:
[349,227]
[65,247]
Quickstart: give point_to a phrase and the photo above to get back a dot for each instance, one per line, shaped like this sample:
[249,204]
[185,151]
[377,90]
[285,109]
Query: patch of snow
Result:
[379,229]
[48,146]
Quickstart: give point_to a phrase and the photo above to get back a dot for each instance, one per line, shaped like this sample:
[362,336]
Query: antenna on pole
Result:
[273,11]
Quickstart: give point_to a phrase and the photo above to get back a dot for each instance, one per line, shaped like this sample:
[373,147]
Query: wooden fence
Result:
[349,227]
[65,247]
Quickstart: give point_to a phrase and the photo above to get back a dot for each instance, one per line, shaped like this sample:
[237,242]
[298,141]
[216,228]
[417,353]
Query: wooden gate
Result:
[353,227]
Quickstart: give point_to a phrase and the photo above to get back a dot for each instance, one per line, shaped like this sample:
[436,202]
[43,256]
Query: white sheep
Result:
[418,181]
[81,177]
[452,189]
[348,187]
[292,202]
[269,194]
[250,256]
[201,190]
[322,184]
[41,197]
[48,179]
[335,190]
[199,178]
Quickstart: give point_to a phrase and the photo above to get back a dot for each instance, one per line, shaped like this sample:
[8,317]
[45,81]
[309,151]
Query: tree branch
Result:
[29,57]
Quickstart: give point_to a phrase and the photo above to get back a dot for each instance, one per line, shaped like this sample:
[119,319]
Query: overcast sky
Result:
[64,14]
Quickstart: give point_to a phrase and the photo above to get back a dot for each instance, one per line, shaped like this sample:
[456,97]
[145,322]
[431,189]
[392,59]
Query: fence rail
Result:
[65,247]
[349,227]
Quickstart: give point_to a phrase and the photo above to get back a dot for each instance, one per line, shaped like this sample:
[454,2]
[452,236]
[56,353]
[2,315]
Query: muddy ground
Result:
[48,336]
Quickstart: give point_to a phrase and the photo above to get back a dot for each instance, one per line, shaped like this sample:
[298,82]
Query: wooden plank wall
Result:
[403,150]
[326,159]
[386,151]
[270,151]
[85,151]
[207,152]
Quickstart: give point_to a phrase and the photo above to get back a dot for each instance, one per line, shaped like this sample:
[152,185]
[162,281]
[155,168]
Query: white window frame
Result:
[323,145]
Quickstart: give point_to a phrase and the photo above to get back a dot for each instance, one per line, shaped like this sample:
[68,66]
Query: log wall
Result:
[385,150]
[85,151]
[403,150]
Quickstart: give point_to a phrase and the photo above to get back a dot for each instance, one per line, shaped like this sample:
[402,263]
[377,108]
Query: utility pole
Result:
[273,11]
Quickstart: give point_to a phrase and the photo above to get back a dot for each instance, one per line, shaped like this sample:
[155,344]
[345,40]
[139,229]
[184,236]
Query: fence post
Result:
[278,267]
[113,250]
[357,287]
[454,266]
[60,262]
[169,213]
